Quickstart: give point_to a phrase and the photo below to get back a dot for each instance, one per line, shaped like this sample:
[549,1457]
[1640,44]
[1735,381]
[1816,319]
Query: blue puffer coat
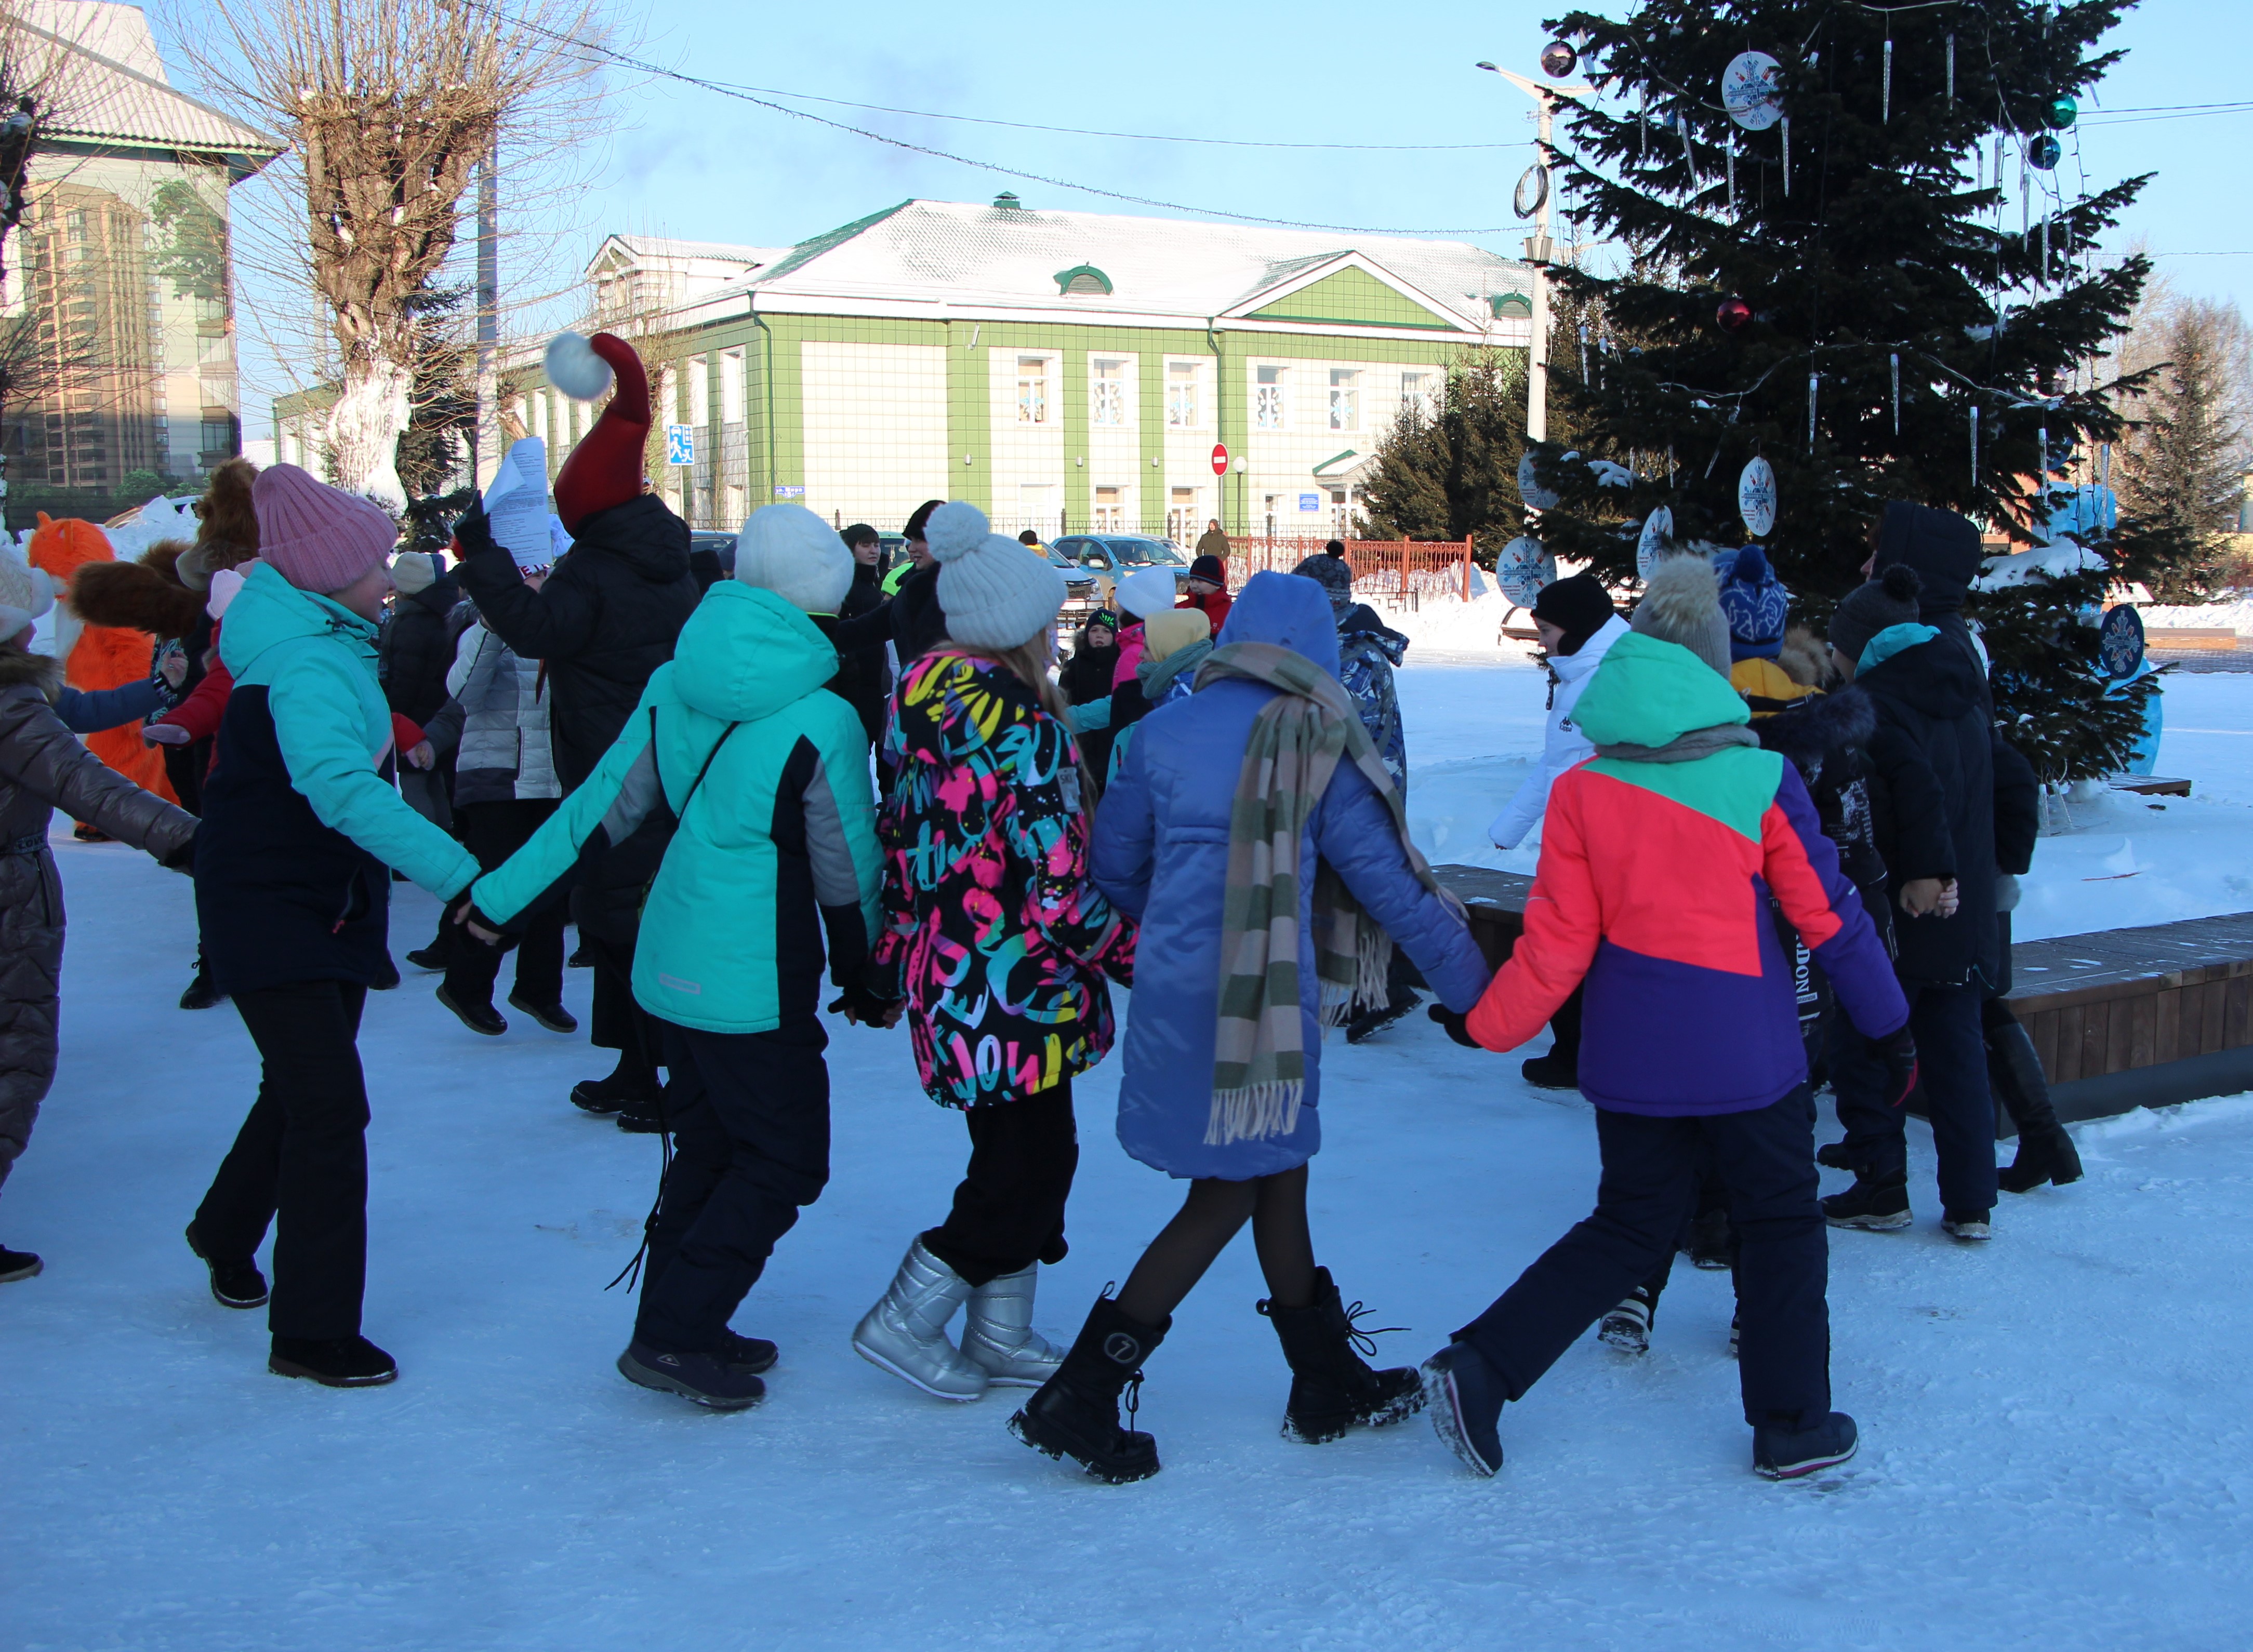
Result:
[1161,853]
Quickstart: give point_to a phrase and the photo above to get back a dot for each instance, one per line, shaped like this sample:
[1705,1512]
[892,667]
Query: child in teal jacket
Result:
[767,772]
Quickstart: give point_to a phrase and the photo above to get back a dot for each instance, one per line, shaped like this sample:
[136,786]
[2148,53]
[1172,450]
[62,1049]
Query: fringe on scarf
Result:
[1254,1112]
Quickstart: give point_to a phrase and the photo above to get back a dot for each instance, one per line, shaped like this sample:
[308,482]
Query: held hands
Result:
[1457,1026]
[165,733]
[481,926]
[1920,897]
[421,755]
[1897,1051]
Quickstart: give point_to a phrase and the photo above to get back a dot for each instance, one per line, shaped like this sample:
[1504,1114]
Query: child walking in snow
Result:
[767,774]
[1656,857]
[1256,834]
[999,946]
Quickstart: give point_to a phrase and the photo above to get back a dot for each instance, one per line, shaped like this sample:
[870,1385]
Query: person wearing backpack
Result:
[740,742]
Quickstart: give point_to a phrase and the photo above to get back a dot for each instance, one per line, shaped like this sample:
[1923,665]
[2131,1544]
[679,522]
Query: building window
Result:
[1032,389]
[1182,394]
[1416,392]
[1110,510]
[699,393]
[1107,394]
[1341,514]
[731,387]
[1345,398]
[1267,398]
[1181,525]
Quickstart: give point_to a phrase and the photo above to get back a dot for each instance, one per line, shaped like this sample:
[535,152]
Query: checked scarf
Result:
[1260,1056]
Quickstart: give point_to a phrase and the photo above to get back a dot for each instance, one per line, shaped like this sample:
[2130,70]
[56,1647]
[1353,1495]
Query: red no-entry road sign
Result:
[1220,458]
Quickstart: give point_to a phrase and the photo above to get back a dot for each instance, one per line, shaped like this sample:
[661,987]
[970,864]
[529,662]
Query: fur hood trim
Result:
[1815,729]
[20,669]
[1806,659]
[147,596]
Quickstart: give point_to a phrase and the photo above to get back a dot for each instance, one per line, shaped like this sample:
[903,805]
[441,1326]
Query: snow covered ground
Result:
[2057,1451]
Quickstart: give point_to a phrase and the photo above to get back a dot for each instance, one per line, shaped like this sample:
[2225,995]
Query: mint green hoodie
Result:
[783,821]
[315,658]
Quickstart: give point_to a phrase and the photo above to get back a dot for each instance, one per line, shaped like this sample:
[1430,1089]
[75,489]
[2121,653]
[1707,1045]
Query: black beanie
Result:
[1886,600]
[1578,606]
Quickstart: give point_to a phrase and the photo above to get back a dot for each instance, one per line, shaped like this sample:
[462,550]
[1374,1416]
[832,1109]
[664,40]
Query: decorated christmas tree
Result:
[1857,266]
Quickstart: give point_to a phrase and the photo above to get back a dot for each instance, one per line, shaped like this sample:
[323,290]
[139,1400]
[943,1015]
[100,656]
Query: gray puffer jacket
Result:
[505,752]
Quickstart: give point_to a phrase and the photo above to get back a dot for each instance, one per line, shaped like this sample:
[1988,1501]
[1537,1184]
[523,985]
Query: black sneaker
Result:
[1552,1071]
[613,1090]
[234,1284]
[428,958]
[641,1116]
[18,1264]
[553,1017]
[201,995]
[1782,1451]
[705,1378]
[1713,1244]
[387,976]
[751,1354]
[1368,1023]
[479,1018]
[1627,1327]
[339,1362]
[1880,1206]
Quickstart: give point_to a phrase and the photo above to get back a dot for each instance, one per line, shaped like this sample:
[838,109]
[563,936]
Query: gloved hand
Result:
[480,931]
[1457,1026]
[864,1008]
[1897,1051]
[473,528]
[183,857]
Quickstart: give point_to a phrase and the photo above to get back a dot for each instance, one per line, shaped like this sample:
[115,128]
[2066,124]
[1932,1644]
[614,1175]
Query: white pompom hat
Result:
[1146,591]
[25,593]
[789,550]
[996,591]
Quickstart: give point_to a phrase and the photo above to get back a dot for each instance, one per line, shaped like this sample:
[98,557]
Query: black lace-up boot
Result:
[1332,1389]
[1075,1414]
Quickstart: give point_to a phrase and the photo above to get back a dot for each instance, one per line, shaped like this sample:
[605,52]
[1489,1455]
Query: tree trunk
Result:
[364,430]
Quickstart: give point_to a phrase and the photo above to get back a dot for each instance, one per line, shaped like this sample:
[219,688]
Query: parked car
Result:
[1108,558]
[707,539]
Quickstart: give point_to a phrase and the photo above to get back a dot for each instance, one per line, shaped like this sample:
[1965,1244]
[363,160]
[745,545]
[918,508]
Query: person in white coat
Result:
[1578,626]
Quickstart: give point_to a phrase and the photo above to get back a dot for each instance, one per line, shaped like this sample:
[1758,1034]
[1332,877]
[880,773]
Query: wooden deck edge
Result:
[2221,1073]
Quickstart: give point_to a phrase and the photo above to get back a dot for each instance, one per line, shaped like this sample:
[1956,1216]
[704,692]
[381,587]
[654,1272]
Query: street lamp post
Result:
[1540,248]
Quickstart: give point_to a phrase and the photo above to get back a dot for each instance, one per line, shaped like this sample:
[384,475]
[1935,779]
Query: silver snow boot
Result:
[998,1334]
[905,1333]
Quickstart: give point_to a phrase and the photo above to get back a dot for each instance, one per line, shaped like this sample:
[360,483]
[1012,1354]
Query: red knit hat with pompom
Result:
[605,469]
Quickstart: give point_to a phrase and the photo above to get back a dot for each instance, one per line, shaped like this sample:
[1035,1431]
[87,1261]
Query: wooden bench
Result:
[2191,639]
[2122,1019]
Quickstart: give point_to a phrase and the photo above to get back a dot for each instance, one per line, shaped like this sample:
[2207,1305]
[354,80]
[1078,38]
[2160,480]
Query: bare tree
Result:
[2185,456]
[389,105]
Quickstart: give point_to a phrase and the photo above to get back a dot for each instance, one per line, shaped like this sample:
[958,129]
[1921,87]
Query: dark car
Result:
[723,544]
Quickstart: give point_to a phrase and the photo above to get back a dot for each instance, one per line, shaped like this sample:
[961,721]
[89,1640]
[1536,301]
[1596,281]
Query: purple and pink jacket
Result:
[1653,884]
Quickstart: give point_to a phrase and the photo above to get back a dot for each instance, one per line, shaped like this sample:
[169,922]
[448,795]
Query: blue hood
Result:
[1288,611]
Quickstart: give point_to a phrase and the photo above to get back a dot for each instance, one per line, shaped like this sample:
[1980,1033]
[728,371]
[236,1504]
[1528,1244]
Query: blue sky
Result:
[678,161]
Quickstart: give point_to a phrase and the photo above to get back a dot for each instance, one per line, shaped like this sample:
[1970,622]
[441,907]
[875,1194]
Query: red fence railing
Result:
[1393,573]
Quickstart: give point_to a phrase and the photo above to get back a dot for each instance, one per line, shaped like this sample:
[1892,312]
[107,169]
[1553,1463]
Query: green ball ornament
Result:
[2063,111]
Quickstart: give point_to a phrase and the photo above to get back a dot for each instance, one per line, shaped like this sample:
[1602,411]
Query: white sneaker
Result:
[1627,1327]
[905,1333]
[1971,1229]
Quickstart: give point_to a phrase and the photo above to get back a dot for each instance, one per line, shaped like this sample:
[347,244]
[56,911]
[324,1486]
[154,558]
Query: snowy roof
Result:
[921,254]
[110,85]
[659,246]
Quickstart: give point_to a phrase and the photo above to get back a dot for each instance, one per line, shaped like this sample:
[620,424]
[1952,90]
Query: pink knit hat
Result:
[318,537]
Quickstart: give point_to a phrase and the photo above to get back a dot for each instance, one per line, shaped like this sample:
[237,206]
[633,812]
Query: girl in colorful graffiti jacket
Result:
[998,945]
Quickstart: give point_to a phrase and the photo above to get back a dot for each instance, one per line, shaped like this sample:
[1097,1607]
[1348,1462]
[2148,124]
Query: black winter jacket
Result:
[864,676]
[1827,738]
[918,623]
[1934,806]
[607,618]
[416,649]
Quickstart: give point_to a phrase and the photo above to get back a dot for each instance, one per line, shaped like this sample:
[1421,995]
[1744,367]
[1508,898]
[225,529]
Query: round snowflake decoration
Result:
[2120,643]
[1529,488]
[1756,499]
[1523,568]
[1657,540]
[1752,90]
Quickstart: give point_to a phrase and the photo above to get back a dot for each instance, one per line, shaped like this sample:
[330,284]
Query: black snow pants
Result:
[1766,1156]
[300,1160]
[1008,1209]
[749,1113]
[493,831]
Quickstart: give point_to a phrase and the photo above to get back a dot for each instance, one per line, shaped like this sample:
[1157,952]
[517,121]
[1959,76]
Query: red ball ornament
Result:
[1732,315]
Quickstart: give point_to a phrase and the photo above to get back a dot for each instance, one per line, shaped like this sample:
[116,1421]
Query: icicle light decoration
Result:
[1584,352]
[1642,129]
[2105,464]
[1786,124]
[1885,94]
[1813,378]
[1689,156]
[1951,68]
[2044,276]
[1733,169]
[1896,377]
[1975,444]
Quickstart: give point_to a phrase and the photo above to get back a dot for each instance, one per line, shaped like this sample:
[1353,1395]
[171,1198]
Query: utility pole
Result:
[484,440]
[1540,248]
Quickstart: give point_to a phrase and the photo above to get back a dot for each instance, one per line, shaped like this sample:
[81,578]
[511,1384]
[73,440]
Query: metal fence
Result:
[1387,573]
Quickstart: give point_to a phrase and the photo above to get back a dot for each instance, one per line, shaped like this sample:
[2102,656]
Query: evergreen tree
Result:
[2184,465]
[1889,243]
[1450,471]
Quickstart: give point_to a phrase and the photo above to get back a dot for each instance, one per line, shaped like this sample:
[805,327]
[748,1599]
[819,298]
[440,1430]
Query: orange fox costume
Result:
[101,656]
